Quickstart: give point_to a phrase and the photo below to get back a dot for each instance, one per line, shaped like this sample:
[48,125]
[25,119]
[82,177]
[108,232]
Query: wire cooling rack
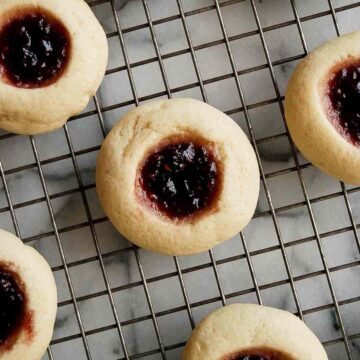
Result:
[121,331]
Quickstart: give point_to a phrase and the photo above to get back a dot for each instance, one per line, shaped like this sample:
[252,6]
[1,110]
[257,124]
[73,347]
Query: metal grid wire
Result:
[163,350]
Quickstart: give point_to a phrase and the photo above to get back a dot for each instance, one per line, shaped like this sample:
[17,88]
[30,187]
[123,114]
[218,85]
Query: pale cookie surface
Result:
[240,330]
[73,53]
[33,276]
[137,136]
[322,107]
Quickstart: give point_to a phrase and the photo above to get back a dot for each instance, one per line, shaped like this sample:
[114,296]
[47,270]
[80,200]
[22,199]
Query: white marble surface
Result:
[121,266]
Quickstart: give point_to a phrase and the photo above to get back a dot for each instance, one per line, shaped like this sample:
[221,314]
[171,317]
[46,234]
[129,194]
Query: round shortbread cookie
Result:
[252,332]
[322,107]
[177,177]
[28,300]
[53,56]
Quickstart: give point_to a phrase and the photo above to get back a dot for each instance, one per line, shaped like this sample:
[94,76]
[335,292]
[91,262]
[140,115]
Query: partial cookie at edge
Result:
[41,295]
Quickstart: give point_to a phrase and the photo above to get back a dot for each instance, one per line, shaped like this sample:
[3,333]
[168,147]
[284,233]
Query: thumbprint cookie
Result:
[177,177]
[53,56]
[253,332]
[28,300]
[322,107]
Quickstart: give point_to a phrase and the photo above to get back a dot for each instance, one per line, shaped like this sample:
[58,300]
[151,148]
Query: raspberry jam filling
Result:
[14,316]
[344,95]
[259,354]
[181,179]
[251,357]
[34,48]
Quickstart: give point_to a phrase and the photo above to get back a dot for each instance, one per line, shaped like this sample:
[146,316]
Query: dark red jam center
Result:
[12,304]
[254,357]
[259,354]
[344,94]
[34,49]
[180,179]
[251,357]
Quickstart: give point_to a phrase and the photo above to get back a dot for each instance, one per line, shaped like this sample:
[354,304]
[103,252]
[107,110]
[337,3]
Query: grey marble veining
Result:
[293,220]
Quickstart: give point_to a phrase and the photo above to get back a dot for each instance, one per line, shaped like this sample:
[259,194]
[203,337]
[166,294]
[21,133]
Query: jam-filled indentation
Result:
[344,95]
[15,317]
[12,300]
[263,353]
[181,178]
[250,357]
[34,48]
